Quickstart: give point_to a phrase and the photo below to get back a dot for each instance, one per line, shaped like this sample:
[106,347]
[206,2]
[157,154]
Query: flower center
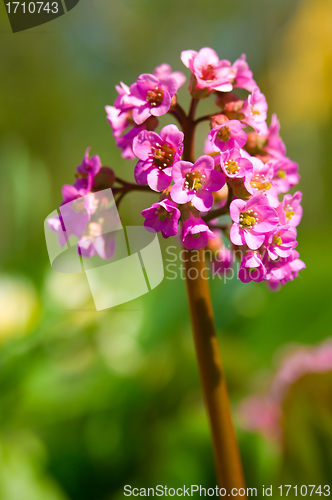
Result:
[161,213]
[289,211]
[208,73]
[232,167]
[155,97]
[258,182]
[194,180]
[163,156]
[254,111]
[281,174]
[248,219]
[224,133]
[277,239]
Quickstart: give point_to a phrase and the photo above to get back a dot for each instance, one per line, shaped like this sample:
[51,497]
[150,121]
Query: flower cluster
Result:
[241,174]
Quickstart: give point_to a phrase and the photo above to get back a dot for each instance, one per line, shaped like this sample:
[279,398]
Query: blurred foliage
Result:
[92,401]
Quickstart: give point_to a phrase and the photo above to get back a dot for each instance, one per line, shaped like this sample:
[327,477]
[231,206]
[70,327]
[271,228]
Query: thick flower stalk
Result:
[243,172]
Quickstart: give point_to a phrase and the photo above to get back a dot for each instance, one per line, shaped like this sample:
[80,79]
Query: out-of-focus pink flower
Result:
[223,260]
[196,182]
[241,76]
[260,413]
[165,71]
[263,412]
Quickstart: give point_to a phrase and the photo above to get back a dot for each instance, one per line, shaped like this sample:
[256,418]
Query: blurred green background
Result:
[90,402]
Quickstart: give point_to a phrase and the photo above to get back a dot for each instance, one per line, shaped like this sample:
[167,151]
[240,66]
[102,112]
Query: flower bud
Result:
[104,179]
[218,120]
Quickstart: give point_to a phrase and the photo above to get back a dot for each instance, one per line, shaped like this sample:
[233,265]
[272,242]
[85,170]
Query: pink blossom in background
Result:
[241,75]
[165,71]
[263,412]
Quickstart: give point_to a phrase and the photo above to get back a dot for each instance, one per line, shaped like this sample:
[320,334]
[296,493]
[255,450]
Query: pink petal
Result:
[253,240]
[236,235]
[180,195]
[236,207]
[180,169]
[157,180]
[188,57]
[203,200]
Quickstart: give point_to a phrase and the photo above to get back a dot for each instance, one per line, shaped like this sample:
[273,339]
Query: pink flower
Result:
[195,182]
[86,172]
[290,210]
[125,101]
[151,96]
[283,270]
[210,72]
[275,146]
[118,120]
[229,135]
[285,174]
[234,165]
[165,71]
[252,220]
[195,233]
[254,109]
[157,154]
[252,268]
[162,216]
[241,75]
[259,179]
[281,242]
[93,242]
